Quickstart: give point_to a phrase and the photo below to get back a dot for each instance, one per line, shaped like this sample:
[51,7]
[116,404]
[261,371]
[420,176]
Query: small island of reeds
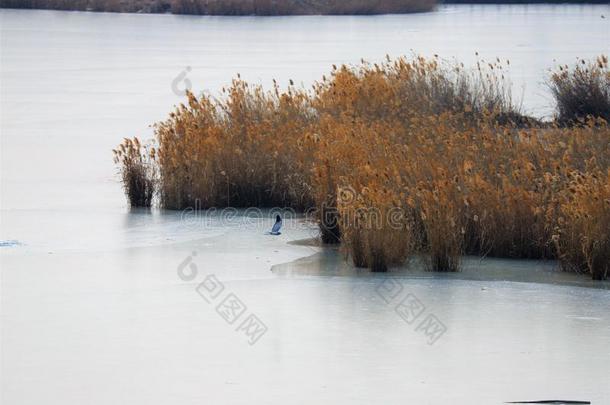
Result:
[402,158]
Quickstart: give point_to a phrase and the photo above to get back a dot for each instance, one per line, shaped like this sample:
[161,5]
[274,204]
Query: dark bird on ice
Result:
[277,226]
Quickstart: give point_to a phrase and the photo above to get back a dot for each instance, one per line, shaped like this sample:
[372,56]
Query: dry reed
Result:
[400,158]
[138,171]
[582,91]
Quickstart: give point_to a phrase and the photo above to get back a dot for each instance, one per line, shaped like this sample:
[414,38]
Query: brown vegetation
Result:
[402,158]
[231,7]
[241,152]
[138,171]
[582,91]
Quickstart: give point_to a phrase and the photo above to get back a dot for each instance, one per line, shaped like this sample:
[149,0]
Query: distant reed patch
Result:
[231,7]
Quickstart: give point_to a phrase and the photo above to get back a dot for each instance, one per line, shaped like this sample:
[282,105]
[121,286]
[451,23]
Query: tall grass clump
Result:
[246,150]
[582,234]
[582,91]
[138,171]
[387,122]
[403,89]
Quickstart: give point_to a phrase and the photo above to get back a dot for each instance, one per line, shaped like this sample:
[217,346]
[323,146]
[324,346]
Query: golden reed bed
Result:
[401,158]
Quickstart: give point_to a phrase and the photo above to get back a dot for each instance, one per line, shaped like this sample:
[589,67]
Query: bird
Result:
[277,226]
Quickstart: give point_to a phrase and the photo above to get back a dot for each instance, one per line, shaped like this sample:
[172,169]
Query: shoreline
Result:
[229,8]
[521,2]
[9,5]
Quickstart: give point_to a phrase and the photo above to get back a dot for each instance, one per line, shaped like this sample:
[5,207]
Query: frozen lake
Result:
[94,308]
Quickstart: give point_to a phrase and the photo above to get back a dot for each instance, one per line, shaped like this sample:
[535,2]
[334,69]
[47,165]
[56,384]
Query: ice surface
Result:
[122,326]
[94,309]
